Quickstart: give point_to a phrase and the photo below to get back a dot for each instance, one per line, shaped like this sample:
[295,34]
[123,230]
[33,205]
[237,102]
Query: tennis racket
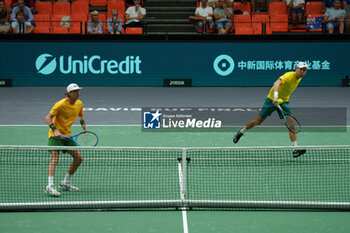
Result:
[290,121]
[84,138]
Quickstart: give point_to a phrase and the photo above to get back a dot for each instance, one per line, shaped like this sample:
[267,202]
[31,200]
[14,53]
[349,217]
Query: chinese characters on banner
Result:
[281,65]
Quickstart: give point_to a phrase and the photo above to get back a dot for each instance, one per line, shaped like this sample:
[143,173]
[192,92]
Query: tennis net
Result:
[242,177]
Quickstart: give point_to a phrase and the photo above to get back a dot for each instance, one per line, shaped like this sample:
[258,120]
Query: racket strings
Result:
[86,139]
[292,124]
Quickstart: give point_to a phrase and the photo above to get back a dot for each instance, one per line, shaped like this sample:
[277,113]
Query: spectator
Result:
[28,3]
[222,16]
[346,7]
[335,17]
[297,11]
[5,26]
[114,23]
[211,3]
[203,18]
[95,26]
[215,3]
[21,26]
[327,4]
[134,15]
[230,3]
[65,21]
[4,10]
[28,16]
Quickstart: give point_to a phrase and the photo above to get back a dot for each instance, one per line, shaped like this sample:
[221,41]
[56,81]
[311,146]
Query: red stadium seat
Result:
[277,8]
[244,31]
[258,22]
[78,24]
[43,23]
[42,29]
[59,30]
[8,3]
[131,30]
[98,2]
[313,8]
[80,8]
[242,21]
[76,30]
[119,5]
[279,23]
[114,1]
[44,7]
[61,8]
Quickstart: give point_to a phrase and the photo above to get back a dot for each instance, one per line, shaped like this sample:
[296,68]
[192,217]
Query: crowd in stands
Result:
[72,16]
[244,17]
[216,16]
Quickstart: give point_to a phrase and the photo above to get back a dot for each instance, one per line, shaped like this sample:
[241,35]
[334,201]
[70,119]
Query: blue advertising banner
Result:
[149,63]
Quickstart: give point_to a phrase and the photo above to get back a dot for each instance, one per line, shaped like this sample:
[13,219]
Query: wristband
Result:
[53,127]
[82,122]
[275,94]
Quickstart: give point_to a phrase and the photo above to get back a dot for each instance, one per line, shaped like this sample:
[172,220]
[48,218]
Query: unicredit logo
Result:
[47,64]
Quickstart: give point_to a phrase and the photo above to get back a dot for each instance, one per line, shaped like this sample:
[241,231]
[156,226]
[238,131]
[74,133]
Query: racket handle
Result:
[281,110]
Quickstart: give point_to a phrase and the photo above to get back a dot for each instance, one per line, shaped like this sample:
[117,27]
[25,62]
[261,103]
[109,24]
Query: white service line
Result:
[184,213]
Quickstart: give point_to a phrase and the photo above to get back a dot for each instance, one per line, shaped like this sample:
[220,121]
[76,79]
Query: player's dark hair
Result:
[20,12]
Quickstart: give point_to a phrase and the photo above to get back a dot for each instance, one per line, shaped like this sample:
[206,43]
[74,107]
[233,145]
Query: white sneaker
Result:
[52,191]
[221,31]
[68,187]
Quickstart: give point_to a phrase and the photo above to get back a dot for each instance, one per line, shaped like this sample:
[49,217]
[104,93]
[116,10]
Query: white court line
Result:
[184,213]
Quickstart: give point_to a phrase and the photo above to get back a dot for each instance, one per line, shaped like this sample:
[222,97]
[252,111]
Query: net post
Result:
[184,172]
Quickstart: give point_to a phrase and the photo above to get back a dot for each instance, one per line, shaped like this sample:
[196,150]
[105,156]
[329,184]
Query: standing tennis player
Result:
[282,89]
[60,120]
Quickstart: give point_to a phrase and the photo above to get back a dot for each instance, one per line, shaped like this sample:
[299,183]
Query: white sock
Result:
[67,178]
[295,143]
[50,180]
[243,129]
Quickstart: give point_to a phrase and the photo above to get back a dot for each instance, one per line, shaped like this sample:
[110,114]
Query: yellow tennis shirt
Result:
[64,115]
[288,85]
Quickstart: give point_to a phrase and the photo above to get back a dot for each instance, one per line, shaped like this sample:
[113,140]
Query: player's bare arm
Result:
[276,87]
[49,122]
[81,119]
